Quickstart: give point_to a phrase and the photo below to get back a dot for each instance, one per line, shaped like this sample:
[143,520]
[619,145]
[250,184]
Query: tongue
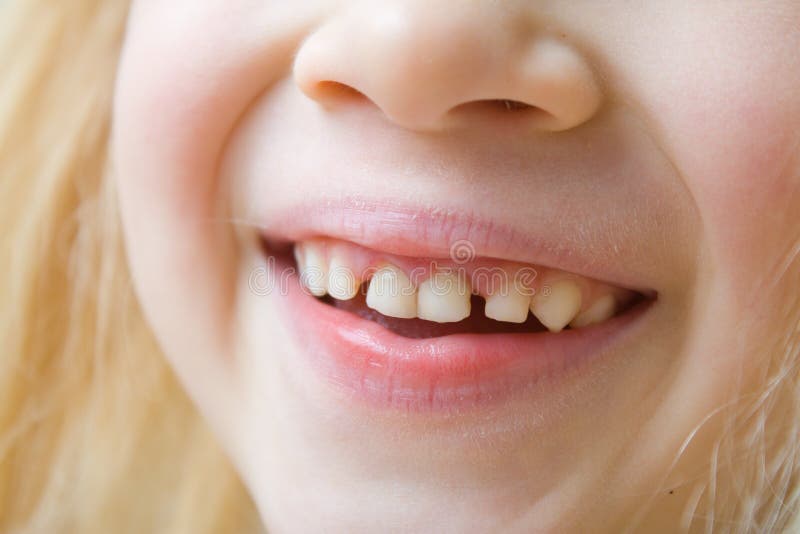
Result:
[476,323]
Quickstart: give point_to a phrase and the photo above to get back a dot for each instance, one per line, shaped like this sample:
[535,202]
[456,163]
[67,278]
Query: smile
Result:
[439,332]
[441,291]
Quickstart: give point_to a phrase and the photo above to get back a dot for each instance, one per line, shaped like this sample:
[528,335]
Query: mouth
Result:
[439,332]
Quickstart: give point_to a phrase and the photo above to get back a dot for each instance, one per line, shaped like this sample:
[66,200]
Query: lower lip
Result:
[374,366]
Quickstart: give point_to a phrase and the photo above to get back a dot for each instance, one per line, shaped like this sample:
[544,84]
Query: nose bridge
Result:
[421,60]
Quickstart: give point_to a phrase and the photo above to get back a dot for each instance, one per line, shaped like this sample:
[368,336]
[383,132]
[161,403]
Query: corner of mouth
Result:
[417,349]
[418,297]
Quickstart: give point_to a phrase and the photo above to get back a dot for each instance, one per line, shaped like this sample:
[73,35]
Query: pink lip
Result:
[366,362]
[415,231]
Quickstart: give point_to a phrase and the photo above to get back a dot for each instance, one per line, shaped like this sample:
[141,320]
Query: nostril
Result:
[337,91]
[493,105]
[502,108]
[510,105]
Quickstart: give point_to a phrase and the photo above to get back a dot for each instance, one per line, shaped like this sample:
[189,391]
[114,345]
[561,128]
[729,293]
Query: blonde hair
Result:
[96,436]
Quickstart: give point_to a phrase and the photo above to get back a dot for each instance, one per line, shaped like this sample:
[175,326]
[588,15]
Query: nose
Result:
[428,63]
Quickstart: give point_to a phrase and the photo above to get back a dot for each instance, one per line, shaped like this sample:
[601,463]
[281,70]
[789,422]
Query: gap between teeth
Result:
[445,297]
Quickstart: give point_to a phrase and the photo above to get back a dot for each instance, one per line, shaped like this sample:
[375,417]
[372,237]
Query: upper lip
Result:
[601,201]
[435,232]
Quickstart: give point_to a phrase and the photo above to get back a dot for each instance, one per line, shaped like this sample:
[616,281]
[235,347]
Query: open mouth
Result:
[435,297]
[426,333]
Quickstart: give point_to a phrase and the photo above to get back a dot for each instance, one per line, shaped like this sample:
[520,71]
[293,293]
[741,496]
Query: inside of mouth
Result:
[476,323]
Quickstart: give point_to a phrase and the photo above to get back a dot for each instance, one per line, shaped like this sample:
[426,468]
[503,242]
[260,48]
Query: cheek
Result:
[724,101]
[732,113]
[746,180]
[183,82]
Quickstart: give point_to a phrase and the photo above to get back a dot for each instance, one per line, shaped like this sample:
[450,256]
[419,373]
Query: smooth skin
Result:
[665,142]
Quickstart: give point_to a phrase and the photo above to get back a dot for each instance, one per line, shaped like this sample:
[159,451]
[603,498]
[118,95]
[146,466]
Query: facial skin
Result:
[670,150]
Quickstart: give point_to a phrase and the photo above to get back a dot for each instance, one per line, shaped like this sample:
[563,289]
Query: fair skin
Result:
[665,160]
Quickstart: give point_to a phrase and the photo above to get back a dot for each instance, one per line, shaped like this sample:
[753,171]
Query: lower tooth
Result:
[601,310]
[444,298]
[557,308]
[391,293]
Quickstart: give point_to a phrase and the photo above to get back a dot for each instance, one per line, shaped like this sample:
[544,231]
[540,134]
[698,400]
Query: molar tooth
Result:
[313,268]
[342,283]
[444,298]
[391,293]
[600,310]
[556,309]
[511,307]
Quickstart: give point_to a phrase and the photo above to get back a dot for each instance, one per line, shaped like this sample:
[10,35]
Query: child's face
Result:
[658,152]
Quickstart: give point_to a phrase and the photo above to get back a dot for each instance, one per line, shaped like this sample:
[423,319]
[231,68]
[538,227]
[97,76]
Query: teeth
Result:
[511,307]
[342,283]
[313,269]
[602,309]
[444,298]
[556,309]
[392,294]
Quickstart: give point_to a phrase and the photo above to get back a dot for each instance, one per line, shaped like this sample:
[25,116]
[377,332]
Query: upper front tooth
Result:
[510,307]
[558,307]
[602,309]
[342,283]
[313,269]
[444,298]
[392,293]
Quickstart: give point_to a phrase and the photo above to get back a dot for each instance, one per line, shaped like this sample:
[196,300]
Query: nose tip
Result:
[427,66]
